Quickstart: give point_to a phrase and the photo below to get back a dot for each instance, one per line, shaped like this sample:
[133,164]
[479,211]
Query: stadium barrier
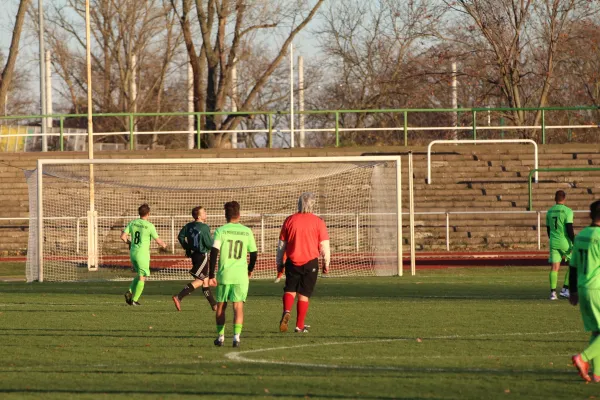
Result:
[177,221]
[333,116]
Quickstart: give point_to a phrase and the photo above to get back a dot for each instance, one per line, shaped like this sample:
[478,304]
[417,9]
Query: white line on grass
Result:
[239,356]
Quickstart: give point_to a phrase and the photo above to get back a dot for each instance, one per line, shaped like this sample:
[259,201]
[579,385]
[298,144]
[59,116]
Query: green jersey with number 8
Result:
[586,257]
[234,242]
[142,232]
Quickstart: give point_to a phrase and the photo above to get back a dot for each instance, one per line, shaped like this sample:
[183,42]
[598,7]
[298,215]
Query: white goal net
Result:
[75,226]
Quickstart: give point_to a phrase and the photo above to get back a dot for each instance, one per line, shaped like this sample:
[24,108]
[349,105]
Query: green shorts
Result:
[558,253]
[589,305]
[232,293]
[141,265]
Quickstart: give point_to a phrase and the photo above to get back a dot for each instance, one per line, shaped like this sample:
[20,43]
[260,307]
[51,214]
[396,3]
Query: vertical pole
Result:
[78,232]
[543,126]
[474,124]
[49,110]
[301,115]
[91,249]
[447,231]
[198,120]
[399,214]
[131,139]
[262,233]
[411,213]
[234,136]
[291,95]
[270,130]
[133,91]
[40,223]
[337,129]
[62,132]
[539,234]
[454,101]
[190,82]
[172,235]
[357,224]
[42,75]
[405,128]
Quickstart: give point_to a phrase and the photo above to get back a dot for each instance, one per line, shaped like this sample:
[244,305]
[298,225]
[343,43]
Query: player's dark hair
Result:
[196,212]
[232,210]
[144,210]
[595,210]
[560,195]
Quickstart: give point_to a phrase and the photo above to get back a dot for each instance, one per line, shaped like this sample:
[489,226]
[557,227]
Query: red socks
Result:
[288,302]
[302,310]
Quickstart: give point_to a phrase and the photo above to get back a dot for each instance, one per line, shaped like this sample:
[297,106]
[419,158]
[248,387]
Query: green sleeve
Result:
[574,256]
[153,233]
[547,219]
[251,243]
[127,229]
[206,237]
[569,216]
[181,237]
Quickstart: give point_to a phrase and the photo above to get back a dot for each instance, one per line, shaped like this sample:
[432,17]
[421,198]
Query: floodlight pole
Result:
[291,95]
[92,255]
[42,76]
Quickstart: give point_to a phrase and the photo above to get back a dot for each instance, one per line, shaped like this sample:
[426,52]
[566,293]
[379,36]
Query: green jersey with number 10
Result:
[234,242]
[586,257]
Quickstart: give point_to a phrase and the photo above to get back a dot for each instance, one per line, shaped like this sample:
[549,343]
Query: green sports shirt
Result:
[586,257]
[234,241]
[142,232]
[557,218]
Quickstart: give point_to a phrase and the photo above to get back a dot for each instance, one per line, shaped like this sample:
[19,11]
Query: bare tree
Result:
[9,68]
[122,29]
[227,27]
[517,44]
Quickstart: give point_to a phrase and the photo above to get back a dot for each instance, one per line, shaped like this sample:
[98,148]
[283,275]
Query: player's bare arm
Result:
[125,237]
[326,254]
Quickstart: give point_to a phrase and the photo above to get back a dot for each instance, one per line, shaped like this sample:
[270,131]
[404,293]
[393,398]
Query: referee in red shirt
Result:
[303,238]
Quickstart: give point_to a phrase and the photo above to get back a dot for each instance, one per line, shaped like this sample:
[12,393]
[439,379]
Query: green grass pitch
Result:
[476,333]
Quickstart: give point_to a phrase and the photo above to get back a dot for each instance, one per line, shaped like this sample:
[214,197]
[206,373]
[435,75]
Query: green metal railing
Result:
[335,114]
[531,172]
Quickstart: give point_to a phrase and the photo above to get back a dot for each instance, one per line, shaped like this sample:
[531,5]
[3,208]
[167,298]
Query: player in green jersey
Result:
[234,242]
[585,290]
[196,240]
[141,232]
[559,225]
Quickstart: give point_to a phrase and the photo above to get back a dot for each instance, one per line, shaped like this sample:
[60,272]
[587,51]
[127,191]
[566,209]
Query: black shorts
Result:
[199,265]
[301,279]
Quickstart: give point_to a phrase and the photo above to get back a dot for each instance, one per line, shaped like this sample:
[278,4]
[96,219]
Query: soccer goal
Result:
[76,223]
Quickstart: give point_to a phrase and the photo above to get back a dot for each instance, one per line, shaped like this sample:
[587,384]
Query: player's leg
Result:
[554,259]
[292,281]
[564,292]
[143,270]
[582,360]
[591,354]
[305,290]
[222,294]
[238,297]
[199,261]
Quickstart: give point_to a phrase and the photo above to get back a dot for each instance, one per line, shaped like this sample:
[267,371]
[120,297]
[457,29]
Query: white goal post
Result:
[360,199]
